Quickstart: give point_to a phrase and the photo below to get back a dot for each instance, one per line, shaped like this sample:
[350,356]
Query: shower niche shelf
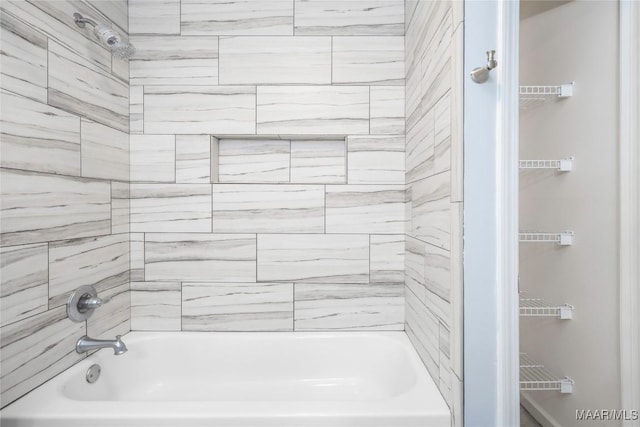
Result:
[536,307]
[562,165]
[564,238]
[533,96]
[534,376]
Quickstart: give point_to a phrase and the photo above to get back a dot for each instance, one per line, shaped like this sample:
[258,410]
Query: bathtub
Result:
[189,379]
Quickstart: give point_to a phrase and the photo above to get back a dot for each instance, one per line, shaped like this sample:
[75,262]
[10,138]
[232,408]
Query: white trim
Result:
[507,184]
[629,207]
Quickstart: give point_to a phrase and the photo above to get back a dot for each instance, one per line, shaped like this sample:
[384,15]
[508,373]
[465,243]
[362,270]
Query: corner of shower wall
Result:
[64,182]
[434,171]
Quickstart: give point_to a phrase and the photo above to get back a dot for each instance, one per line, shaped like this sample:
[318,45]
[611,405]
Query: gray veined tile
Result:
[156,306]
[99,261]
[320,258]
[170,208]
[368,60]
[442,132]
[437,264]
[154,16]
[152,158]
[365,209]
[457,291]
[136,247]
[136,109]
[376,159]
[423,330]
[387,258]
[313,110]
[174,60]
[349,307]
[200,109]
[200,257]
[120,207]
[23,59]
[275,60]
[76,86]
[105,151]
[431,218]
[445,375]
[436,62]
[35,350]
[457,117]
[255,160]
[117,11]
[415,253]
[420,148]
[113,318]
[263,208]
[237,17]
[387,110]
[39,208]
[349,17]
[237,306]
[38,137]
[23,281]
[193,159]
[319,162]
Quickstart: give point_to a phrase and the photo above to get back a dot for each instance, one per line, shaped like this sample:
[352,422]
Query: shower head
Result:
[107,36]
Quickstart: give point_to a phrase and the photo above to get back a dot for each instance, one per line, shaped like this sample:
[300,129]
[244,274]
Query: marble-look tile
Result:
[200,257]
[442,133]
[23,60]
[99,261]
[237,306]
[105,151]
[136,109]
[76,86]
[457,291]
[156,306]
[170,208]
[200,109]
[275,60]
[368,60]
[349,17]
[215,159]
[120,207]
[375,159]
[409,10]
[319,258]
[263,208]
[38,137]
[445,375]
[313,110]
[436,64]
[113,318]
[318,162]
[457,116]
[49,339]
[420,148]
[373,209]
[387,110]
[387,258]
[457,391]
[152,158]
[193,157]
[256,161]
[136,247]
[431,219]
[414,267]
[174,60]
[116,11]
[23,281]
[437,274]
[38,208]
[423,330]
[439,307]
[237,17]
[154,16]
[349,307]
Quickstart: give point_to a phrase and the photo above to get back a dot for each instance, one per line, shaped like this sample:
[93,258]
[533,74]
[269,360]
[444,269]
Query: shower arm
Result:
[81,21]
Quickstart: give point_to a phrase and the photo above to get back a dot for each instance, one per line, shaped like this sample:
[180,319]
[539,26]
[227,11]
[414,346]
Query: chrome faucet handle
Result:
[88,302]
[82,302]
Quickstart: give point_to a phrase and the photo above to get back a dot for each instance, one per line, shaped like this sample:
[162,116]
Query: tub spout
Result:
[86,344]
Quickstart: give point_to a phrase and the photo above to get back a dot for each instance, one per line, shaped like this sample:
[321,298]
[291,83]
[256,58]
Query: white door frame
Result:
[629,176]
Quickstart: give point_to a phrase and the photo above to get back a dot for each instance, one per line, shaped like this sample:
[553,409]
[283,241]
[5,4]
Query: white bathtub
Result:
[188,379]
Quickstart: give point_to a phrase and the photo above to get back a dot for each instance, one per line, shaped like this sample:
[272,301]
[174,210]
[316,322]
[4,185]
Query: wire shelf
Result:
[564,238]
[562,165]
[533,96]
[534,376]
[536,307]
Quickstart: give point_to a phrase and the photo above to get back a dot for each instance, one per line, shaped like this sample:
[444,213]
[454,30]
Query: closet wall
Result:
[575,41]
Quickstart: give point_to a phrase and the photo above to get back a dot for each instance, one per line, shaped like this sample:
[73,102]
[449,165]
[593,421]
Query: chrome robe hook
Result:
[481,74]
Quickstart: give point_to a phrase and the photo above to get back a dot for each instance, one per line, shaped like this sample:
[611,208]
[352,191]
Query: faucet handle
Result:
[88,302]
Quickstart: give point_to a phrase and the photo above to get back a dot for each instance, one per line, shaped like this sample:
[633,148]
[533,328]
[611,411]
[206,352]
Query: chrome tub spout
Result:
[86,344]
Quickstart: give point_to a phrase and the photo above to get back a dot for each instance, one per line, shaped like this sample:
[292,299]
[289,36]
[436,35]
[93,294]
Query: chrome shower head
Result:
[107,36]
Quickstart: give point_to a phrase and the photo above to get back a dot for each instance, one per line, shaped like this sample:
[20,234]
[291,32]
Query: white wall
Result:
[575,41]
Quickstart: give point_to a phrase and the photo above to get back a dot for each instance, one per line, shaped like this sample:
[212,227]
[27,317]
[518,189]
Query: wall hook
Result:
[481,74]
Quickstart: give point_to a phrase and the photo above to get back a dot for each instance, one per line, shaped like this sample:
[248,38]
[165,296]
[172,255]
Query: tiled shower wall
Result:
[433,275]
[64,175]
[267,165]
